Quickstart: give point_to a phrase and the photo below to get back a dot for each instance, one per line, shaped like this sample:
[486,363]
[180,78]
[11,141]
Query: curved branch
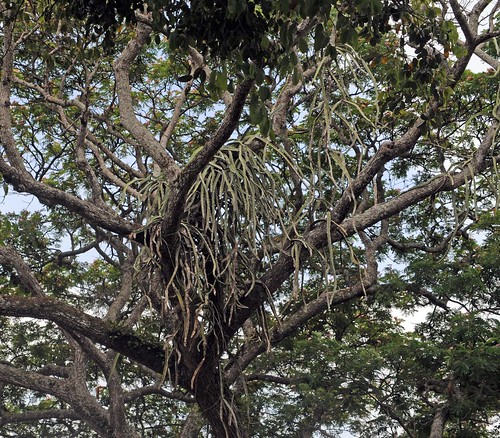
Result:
[106,218]
[67,317]
[9,256]
[287,327]
[63,389]
[318,237]
[141,134]
[36,381]
[492,62]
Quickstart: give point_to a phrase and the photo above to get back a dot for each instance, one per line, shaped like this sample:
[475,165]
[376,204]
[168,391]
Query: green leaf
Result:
[221,80]
[264,93]
[303,47]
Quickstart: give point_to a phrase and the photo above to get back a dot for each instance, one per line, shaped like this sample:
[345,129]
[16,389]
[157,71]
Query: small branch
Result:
[82,250]
[155,390]
[136,313]
[197,63]
[174,120]
[392,413]
[83,164]
[431,297]
[280,113]
[198,59]
[95,144]
[276,379]
[487,58]
[476,12]
[110,176]
[482,38]
[127,277]
[409,246]
[34,416]
[9,256]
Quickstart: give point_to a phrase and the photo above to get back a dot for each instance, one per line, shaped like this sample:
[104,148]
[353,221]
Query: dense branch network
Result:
[217,201]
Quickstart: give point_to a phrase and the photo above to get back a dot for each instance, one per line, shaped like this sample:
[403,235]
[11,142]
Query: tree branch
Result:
[141,134]
[155,390]
[34,416]
[318,237]
[67,317]
[463,21]
[431,297]
[189,173]
[292,322]
[9,256]
[226,128]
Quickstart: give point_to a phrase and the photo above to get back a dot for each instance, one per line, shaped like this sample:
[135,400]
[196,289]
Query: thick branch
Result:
[149,354]
[226,128]
[193,424]
[438,423]
[9,256]
[89,410]
[23,182]
[191,171]
[487,58]
[29,379]
[138,130]
[318,237]
[34,416]
[6,139]
[287,327]
[462,21]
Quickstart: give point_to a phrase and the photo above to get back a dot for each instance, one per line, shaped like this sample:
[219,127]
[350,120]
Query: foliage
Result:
[234,202]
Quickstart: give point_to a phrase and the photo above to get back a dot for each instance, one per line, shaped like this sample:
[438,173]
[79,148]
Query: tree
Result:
[235,172]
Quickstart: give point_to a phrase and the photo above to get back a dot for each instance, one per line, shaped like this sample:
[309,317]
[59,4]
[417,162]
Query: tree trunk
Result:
[217,404]
[193,424]
[440,417]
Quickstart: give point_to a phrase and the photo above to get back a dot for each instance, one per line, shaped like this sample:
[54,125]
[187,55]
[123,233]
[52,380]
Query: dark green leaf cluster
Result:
[103,18]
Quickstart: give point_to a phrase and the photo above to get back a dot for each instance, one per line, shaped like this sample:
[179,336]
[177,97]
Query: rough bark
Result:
[439,422]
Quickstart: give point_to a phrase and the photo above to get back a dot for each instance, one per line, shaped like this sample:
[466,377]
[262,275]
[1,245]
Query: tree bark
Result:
[217,404]
[439,422]
[193,424]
